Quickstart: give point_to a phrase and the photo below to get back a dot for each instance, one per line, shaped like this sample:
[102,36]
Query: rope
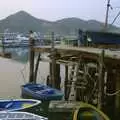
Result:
[20,72]
[115,18]
[75,115]
[112,94]
[23,76]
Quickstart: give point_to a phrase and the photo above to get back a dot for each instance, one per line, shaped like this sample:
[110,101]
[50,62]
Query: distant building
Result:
[98,39]
[105,39]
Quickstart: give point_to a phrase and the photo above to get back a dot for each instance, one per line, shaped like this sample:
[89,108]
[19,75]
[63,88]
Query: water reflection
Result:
[18,54]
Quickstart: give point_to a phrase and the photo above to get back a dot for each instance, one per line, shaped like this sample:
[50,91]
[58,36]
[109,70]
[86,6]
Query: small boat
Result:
[88,112]
[20,116]
[17,104]
[41,92]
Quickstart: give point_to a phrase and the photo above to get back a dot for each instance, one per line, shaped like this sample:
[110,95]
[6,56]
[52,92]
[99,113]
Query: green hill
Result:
[23,22]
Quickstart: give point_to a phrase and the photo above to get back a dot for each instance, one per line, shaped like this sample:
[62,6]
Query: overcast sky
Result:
[57,9]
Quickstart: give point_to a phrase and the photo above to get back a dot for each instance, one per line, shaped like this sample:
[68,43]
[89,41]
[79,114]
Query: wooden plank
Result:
[63,106]
[87,53]
[85,50]
[87,58]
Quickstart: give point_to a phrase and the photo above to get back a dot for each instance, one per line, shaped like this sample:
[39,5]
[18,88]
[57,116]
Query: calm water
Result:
[15,72]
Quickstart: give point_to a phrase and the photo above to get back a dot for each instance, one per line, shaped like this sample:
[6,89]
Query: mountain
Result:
[23,22]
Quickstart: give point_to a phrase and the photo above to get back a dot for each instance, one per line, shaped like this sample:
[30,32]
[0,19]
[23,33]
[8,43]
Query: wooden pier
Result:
[92,75]
[99,85]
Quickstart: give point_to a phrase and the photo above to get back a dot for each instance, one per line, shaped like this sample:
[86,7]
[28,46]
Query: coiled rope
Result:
[76,112]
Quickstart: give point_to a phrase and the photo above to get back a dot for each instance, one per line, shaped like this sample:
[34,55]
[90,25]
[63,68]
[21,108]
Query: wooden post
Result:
[57,77]
[53,66]
[37,66]
[79,37]
[66,81]
[117,87]
[31,57]
[53,44]
[101,80]
[84,37]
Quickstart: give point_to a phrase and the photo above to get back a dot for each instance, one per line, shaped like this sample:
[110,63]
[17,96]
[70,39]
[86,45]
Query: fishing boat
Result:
[88,112]
[41,92]
[17,104]
[20,116]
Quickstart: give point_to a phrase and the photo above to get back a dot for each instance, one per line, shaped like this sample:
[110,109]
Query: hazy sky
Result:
[57,9]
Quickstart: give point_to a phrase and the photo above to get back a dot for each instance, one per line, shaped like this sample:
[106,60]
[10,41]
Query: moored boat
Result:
[17,104]
[20,116]
[41,92]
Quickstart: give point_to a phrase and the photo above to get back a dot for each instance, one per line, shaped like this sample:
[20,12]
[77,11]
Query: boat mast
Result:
[107,11]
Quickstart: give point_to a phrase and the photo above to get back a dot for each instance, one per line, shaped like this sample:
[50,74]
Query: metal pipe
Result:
[106,19]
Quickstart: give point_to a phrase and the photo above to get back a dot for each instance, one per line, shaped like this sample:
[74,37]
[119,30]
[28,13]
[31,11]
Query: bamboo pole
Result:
[37,66]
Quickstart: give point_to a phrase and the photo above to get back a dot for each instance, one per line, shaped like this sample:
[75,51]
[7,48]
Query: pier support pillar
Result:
[65,84]
[117,97]
[31,57]
[55,78]
[111,88]
[101,80]
[55,75]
